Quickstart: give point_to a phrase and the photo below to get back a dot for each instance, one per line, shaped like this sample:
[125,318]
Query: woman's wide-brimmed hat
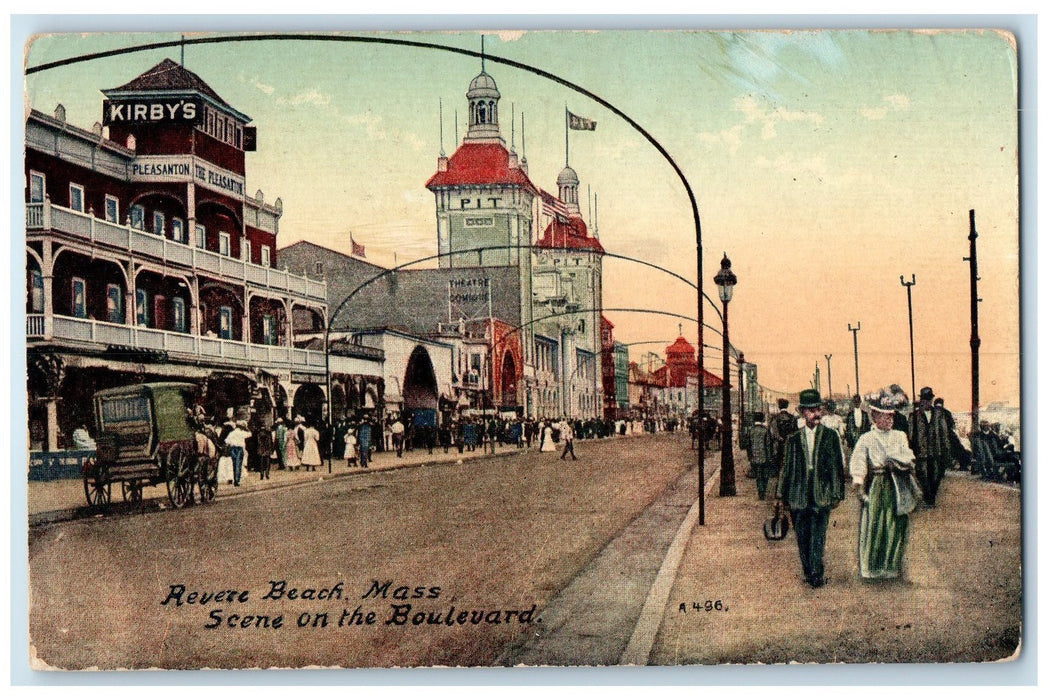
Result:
[888,399]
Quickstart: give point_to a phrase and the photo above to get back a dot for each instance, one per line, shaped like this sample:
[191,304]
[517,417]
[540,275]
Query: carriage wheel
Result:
[132,492]
[179,477]
[96,484]
[207,475]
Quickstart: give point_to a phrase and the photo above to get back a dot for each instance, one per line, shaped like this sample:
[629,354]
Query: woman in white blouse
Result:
[881,468]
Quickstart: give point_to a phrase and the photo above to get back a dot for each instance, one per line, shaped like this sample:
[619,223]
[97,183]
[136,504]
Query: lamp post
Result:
[829,376]
[725,281]
[909,310]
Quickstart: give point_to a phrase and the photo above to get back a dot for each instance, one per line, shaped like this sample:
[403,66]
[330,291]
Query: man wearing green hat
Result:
[811,484]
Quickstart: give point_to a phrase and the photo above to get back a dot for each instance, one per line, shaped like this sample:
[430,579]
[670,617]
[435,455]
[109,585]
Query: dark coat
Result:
[853,432]
[931,438]
[828,475]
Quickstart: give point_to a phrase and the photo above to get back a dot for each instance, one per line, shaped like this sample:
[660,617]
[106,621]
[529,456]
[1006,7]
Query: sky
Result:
[824,163]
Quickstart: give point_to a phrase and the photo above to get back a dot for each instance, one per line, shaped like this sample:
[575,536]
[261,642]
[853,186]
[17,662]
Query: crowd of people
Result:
[260,445]
[894,455]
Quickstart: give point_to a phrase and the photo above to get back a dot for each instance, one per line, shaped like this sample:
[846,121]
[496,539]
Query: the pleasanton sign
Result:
[182,168]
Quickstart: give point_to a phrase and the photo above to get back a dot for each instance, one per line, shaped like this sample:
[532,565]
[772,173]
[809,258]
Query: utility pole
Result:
[973,272]
[909,309]
[855,341]
[829,376]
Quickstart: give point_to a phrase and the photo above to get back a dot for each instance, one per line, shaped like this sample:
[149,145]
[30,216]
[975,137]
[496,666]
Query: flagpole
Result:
[565,136]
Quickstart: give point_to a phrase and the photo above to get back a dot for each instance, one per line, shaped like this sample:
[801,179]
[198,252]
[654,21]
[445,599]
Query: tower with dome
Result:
[485,198]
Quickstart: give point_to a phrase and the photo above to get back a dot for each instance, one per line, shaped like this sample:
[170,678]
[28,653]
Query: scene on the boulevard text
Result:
[618,348]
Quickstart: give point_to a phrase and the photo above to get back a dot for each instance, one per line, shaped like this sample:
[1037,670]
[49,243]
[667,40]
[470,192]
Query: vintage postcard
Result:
[522,348]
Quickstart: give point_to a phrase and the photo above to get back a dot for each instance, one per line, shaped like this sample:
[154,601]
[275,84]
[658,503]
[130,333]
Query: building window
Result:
[318,268]
[76,197]
[158,223]
[112,209]
[201,237]
[178,314]
[36,293]
[138,217]
[37,187]
[225,322]
[223,243]
[264,250]
[142,307]
[79,298]
[269,329]
[247,250]
[114,303]
[178,230]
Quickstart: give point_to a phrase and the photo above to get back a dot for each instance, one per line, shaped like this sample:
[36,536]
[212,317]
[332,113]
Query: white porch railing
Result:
[86,330]
[47,216]
[34,325]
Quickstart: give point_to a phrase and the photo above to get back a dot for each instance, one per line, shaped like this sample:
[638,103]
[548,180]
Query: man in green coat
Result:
[811,484]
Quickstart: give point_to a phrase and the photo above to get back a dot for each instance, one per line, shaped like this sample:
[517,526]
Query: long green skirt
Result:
[882,533]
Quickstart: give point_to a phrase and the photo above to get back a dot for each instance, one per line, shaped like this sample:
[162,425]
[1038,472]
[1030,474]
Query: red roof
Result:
[681,346]
[569,233]
[480,164]
[712,380]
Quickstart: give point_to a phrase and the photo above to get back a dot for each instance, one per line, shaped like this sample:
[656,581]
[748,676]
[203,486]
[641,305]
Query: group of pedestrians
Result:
[894,464]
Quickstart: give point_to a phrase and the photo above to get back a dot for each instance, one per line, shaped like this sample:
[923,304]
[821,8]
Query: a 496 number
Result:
[707,606]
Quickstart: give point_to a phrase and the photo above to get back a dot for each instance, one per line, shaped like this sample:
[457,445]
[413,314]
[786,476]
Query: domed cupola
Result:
[483,96]
[568,187]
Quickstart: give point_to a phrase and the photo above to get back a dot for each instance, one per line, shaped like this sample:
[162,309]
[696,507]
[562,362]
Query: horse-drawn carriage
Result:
[148,435]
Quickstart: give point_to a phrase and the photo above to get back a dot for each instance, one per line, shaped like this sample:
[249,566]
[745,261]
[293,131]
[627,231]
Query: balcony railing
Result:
[206,348]
[46,216]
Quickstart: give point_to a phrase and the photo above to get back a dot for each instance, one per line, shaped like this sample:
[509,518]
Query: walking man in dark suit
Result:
[930,429]
[811,484]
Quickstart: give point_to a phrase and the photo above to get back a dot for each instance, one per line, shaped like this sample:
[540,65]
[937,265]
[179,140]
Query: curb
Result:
[638,650]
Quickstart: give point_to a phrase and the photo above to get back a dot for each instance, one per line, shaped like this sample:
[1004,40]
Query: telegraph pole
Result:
[829,376]
[855,341]
[909,309]
[973,272]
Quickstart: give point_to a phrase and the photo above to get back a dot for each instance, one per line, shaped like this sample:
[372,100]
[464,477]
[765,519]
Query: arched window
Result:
[491,111]
[482,115]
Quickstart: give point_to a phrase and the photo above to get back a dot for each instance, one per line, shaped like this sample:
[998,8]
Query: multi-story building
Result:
[512,258]
[147,259]
[615,366]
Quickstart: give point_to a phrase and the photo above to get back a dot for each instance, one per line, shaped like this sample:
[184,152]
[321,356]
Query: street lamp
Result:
[725,281]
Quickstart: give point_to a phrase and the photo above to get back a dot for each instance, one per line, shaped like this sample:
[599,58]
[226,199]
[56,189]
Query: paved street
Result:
[586,543]
[494,535]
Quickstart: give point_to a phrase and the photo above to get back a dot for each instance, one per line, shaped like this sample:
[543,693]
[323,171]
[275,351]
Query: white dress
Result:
[311,448]
[547,440]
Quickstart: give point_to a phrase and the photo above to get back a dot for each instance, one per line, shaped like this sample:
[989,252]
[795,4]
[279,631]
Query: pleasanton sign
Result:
[183,168]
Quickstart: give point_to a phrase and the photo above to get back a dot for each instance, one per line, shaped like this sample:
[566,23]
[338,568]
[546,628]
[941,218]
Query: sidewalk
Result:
[739,598]
[64,499]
